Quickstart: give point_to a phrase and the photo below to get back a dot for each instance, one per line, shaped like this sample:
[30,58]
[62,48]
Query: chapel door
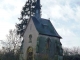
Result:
[30,53]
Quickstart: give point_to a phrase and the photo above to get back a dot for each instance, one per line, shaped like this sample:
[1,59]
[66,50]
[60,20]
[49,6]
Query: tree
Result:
[71,53]
[11,47]
[66,51]
[28,10]
[13,41]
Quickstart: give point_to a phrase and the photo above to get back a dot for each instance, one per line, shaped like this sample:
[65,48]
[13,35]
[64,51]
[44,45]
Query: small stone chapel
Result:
[41,40]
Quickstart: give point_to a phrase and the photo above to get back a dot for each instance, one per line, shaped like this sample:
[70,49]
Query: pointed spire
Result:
[38,8]
[38,4]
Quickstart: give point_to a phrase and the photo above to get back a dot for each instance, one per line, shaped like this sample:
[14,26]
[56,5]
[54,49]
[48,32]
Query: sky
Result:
[64,15]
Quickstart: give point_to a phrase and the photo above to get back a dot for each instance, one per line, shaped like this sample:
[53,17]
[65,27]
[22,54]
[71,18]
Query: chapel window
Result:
[48,44]
[30,38]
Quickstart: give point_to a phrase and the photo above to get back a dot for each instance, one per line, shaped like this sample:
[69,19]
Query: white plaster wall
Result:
[30,30]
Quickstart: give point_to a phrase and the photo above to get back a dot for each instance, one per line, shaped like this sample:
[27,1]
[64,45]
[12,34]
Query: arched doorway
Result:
[30,53]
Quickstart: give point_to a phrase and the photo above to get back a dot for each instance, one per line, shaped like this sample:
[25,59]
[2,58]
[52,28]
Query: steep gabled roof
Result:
[44,27]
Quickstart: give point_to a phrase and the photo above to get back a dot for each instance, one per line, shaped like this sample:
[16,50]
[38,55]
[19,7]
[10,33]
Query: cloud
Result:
[69,38]
[10,8]
[9,13]
[64,15]
[4,29]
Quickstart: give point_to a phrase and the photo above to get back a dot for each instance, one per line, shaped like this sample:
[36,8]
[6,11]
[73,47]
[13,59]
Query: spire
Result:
[38,8]
[38,5]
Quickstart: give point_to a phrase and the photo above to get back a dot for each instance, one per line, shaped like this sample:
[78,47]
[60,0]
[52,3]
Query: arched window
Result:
[48,43]
[30,38]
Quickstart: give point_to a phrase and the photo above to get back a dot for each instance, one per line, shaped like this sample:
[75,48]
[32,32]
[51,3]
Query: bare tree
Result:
[71,53]
[13,40]
[65,51]
[75,51]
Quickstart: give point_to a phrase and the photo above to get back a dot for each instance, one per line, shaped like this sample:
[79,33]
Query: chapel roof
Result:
[45,27]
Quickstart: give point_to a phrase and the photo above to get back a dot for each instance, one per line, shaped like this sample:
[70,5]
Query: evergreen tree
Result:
[28,10]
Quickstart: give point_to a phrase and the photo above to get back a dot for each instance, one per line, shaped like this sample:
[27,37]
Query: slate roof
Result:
[45,27]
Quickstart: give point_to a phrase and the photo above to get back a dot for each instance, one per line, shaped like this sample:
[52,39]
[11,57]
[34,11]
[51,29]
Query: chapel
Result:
[41,41]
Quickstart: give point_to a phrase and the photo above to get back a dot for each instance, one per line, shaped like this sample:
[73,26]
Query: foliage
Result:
[40,39]
[9,56]
[71,53]
[27,11]
[11,48]
[13,40]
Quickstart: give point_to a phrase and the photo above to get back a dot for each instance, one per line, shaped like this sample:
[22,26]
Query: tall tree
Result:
[28,10]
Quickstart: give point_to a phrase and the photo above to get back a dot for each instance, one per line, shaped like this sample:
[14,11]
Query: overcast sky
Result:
[64,15]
